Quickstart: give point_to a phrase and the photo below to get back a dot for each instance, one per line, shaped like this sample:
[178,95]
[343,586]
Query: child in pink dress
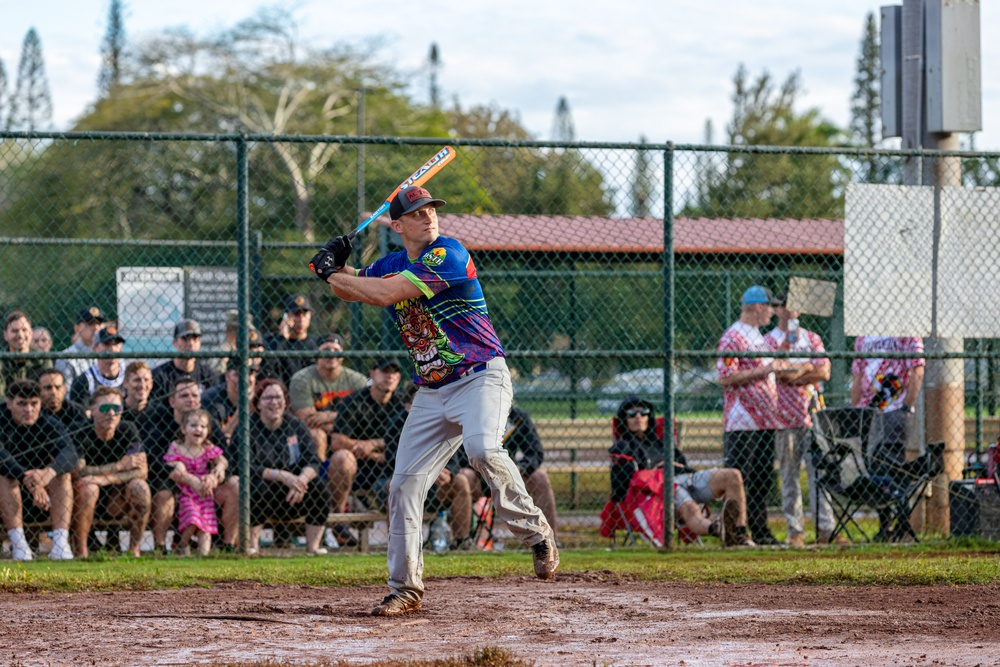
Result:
[197,466]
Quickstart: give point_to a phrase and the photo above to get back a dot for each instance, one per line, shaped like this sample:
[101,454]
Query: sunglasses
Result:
[112,408]
[633,412]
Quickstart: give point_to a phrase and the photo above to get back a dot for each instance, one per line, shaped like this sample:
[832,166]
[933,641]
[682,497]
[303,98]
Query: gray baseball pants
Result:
[792,445]
[471,411]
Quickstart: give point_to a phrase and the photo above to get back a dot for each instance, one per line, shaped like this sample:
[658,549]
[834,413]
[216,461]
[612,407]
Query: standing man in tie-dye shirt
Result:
[464,395]
[892,387]
[798,390]
[750,404]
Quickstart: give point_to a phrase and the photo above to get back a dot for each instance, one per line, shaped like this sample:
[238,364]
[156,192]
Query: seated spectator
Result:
[222,402]
[450,490]
[55,401]
[229,344]
[292,337]
[41,340]
[198,466]
[525,449]
[138,386]
[111,474]
[105,372]
[284,469]
[317,390]
[357,443]
[187,338]
[36,458]
[159,426]
[17,333]
[640,449]
[88,322]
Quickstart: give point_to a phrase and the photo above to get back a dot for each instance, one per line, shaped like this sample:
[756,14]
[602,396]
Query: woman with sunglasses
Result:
[111,475]
[639,448]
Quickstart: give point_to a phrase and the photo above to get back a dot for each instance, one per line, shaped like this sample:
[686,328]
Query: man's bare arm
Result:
[373,291]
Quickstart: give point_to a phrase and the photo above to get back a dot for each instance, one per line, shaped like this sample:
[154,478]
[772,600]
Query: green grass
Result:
[928,564]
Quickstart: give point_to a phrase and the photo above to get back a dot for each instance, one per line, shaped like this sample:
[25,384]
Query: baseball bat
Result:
[419,177]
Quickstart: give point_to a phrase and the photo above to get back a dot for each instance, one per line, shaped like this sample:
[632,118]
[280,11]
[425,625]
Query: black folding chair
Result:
[849,472]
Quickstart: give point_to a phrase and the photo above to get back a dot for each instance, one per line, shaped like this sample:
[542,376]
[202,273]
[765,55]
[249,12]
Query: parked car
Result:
[695,389]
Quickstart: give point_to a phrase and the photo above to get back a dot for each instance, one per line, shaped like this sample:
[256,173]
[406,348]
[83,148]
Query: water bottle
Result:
[793,331]
[440,533]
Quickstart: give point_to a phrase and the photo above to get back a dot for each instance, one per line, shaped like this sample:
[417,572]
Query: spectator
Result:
[198,467]
[451,489]
[138,386]
[890,386]
[357,443]
[187,338]
[55,403]
[111,474]
[798,392]
[41,340]
[17,333]
[159,426]
[88,322]
[36,458]
[105,372]
[750,403]
[525,449]
[284,469]
[228,345]
[293,336]
[316,391]
[222,402]
[640,449]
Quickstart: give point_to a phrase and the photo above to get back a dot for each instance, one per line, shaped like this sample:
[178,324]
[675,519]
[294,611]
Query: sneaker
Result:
[22,551]
[394,605]
[841,540]
[344,536]
[321,551]
[796,541]
[61,550]
[545,555]
[730,517]
[740,537]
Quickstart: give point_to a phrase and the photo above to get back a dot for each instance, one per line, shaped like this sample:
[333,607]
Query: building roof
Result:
[549,233]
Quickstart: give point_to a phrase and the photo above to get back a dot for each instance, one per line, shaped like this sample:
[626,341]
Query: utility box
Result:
[954,66]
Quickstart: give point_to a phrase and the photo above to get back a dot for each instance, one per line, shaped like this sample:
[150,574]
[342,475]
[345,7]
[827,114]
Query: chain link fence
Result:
[173,268]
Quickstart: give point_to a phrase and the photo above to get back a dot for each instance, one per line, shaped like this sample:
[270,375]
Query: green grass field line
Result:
[872,565]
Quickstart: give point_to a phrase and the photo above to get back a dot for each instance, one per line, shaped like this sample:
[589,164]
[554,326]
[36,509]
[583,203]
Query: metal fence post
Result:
[242,337]
[668,347]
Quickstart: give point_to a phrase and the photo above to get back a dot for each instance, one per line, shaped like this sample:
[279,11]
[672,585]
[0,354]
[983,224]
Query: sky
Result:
[631,68]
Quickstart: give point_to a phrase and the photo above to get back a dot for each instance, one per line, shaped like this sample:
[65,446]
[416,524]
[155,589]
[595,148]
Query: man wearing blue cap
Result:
[750,403]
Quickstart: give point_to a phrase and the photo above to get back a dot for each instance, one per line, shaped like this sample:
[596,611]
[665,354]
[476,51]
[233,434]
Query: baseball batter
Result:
[464,391]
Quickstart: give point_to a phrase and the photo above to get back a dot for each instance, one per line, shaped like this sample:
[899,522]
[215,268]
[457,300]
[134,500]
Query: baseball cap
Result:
[333,338]
[758,294]
[410,199]
[385,363]
[295,303]
[108,336]
[186,328]
[90,315]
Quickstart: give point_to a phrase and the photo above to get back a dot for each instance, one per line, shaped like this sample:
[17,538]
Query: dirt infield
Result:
[596,618]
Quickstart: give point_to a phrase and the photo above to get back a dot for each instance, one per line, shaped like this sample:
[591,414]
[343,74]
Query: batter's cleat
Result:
[393,605]
[546,558]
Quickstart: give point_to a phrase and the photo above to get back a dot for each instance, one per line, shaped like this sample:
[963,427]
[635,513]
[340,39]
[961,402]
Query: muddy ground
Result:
[596,618]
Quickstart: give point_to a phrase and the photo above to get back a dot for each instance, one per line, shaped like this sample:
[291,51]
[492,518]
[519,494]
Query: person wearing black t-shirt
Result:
[158,427]
[284,468]
[293,337]
[187,338]
[112,473]
[222,401]
[36,459]
[55,403]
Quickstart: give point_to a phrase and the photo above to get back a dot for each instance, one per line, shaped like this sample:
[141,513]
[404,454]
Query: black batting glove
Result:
[340,247]
[324,265]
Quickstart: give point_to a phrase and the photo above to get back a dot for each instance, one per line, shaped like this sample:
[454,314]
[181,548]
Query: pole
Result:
[668,348]
[355,306]
[242,337]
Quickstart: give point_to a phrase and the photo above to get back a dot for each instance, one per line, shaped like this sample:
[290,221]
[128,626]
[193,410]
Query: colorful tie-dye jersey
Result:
[447,330]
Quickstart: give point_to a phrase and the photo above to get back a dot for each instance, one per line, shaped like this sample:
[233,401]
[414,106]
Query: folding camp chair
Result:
[852,477]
